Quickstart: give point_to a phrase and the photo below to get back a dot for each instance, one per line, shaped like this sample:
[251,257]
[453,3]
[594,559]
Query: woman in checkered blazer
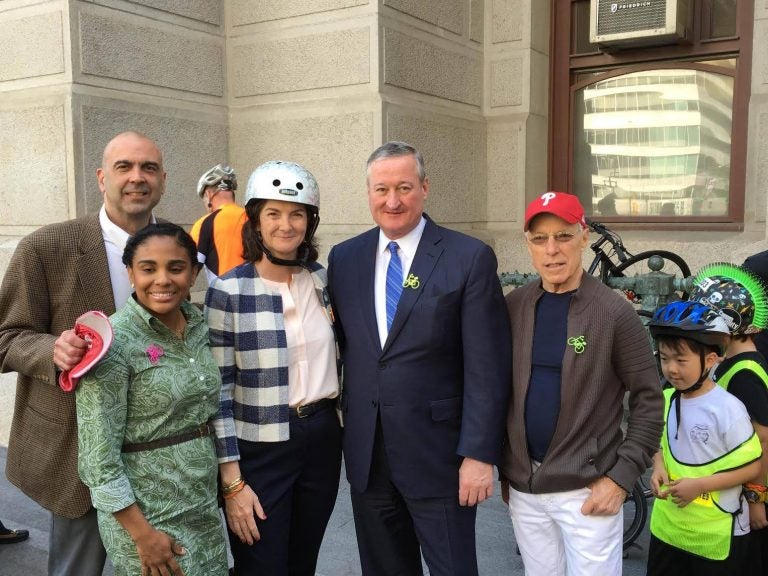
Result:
[271,330]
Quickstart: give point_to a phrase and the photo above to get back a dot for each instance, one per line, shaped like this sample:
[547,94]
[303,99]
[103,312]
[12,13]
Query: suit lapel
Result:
[427,255]
[365,289]
[93,268]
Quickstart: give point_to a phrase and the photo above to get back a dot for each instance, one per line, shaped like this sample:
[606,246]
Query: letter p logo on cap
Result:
[563,205]
[547,196]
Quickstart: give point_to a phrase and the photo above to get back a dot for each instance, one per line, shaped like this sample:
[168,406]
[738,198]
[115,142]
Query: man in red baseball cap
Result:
[577,347]
[556,235]
[562,205]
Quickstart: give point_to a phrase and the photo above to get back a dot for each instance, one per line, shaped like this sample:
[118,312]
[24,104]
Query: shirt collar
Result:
[113,232]
[190,311]
[408,243]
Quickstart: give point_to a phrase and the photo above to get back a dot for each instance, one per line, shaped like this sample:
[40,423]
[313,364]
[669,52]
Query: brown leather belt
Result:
[309,409]
[201,431]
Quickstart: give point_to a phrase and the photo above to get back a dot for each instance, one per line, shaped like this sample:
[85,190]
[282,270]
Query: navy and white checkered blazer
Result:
[248,341]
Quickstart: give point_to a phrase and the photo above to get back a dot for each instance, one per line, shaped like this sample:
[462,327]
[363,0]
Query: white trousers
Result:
[556,539]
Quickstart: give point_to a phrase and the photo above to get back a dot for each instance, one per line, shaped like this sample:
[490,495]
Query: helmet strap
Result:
[211,196]
[692,388]
[302,254]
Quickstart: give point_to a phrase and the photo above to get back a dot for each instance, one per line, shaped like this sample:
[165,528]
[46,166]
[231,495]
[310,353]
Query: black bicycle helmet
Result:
[736,293]
[692,320]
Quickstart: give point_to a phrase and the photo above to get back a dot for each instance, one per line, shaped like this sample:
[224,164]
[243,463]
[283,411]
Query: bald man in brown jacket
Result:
[56,274]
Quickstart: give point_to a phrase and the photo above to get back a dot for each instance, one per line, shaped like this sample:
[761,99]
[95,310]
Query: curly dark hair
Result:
[162,229]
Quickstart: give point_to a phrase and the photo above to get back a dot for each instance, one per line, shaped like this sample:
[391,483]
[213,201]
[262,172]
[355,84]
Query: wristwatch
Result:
[755,493]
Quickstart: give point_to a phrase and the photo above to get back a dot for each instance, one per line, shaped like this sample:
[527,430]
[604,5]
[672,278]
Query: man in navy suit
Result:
[426,350]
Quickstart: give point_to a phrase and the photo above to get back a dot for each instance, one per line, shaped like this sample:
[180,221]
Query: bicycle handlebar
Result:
[609,236]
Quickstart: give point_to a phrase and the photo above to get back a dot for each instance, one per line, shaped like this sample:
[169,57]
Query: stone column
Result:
[516,108]
[74,74]
[323,82]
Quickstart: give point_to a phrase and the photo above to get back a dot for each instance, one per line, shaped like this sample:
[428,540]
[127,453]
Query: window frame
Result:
[565,69]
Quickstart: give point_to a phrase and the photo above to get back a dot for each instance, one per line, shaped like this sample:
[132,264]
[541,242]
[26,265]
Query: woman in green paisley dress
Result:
[144,447]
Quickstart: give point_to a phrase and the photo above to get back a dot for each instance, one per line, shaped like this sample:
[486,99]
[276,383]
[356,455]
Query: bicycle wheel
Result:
[635,514]
[638,264]
[676,259]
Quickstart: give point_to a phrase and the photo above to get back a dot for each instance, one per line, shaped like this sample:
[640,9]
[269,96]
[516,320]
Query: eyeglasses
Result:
[542,239]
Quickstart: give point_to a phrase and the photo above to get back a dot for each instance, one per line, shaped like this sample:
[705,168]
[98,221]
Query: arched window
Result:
[655,134]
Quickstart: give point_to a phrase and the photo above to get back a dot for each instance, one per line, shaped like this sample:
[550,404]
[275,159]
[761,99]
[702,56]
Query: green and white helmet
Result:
[221,175]
[737,294]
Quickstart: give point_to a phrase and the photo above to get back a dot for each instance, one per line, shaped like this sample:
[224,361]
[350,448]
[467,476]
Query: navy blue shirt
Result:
[542,403]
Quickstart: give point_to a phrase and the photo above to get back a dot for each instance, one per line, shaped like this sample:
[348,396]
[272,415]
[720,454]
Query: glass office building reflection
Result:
[655,143]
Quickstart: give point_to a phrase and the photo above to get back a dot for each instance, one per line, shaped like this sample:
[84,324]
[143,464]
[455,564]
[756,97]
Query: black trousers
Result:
[393,531]
[296,482]
[666,560]
[759,552]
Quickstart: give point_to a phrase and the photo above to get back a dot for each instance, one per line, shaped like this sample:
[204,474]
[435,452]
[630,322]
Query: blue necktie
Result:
[394,283]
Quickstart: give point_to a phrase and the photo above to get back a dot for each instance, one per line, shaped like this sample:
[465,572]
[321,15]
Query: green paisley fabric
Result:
[151,385]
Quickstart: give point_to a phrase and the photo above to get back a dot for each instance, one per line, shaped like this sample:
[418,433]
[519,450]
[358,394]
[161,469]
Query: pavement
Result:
[496,549]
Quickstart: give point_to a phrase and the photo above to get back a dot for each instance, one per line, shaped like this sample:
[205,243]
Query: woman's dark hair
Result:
[163,229]
[252,251]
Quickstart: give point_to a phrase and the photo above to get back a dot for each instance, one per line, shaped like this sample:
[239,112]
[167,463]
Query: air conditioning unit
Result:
[633,23]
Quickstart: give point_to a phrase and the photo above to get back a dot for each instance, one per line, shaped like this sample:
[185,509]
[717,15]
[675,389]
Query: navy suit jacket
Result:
[441,382]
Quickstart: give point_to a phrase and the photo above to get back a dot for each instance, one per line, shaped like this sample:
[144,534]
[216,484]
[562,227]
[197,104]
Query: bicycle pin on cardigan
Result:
[579,343]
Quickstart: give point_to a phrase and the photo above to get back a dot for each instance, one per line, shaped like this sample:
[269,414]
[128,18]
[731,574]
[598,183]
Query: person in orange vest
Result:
[218,234]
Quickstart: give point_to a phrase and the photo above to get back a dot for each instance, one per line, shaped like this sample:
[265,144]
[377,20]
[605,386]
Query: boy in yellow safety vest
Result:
[708,450]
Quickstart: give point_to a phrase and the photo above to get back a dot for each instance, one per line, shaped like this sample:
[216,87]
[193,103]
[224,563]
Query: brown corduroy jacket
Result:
[56,273]
[615,358]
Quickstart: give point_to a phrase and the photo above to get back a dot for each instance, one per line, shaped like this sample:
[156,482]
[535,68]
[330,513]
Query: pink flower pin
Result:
[155,352]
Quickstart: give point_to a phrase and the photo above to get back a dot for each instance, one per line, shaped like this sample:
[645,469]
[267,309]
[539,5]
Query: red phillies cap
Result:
[562,205]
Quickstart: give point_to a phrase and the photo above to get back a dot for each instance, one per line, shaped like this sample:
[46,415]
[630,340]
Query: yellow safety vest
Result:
[754,367]
[702,527]
[750,365]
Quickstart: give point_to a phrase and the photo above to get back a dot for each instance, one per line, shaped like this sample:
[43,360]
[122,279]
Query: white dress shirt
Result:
[406,249]
[115,239]
[312,374]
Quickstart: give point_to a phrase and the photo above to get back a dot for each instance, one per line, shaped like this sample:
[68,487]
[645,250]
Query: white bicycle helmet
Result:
[220,175]
[287,181]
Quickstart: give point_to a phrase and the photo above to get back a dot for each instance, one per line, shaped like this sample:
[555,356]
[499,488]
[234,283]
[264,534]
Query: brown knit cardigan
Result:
[588,441]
